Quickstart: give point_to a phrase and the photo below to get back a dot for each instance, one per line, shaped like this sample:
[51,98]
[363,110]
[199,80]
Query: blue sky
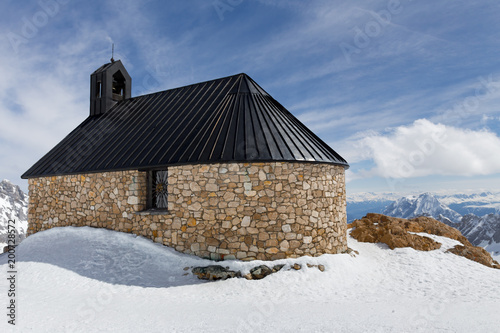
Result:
[407,91]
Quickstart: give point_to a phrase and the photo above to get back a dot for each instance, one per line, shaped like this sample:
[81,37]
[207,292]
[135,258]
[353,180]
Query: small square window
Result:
[158,189]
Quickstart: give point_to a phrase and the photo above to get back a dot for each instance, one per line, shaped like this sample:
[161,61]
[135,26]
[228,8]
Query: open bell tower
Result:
[109,84]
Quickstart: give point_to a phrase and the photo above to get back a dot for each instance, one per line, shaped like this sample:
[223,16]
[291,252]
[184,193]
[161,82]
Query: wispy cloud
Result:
[424,63]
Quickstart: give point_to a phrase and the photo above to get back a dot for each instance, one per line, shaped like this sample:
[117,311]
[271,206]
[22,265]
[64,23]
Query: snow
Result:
[496,255]
[463,202]
[446,243]
[492,247]
[96,280]
[3,203]
[13,206]
[487,198]
[424,204]
[490,199]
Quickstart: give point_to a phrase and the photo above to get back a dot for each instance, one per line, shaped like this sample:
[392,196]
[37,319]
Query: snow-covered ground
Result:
[96,280]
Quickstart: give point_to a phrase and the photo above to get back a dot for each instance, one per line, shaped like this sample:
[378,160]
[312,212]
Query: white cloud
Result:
[425,148]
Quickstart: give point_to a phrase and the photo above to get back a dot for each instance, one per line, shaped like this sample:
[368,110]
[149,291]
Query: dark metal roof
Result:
[230,119]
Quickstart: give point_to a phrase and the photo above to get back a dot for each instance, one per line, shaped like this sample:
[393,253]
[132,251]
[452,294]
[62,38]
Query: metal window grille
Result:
[158,189]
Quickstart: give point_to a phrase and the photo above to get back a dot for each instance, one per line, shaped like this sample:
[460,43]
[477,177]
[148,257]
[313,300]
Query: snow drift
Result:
[96,280]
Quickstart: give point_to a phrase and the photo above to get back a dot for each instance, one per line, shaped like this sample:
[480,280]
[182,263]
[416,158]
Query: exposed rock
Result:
[351,252]
[377,228]
[395,232]
[475,253]
[277,268]
[217,272]
[260,272]
[320,267]
[214,272]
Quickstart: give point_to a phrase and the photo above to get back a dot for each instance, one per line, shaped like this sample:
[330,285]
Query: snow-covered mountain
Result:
[480,204]
[13,206]
[482,231]
[465,202]
[424,204]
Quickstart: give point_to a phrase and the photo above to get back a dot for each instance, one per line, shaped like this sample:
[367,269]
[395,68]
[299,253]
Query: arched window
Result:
[118,86]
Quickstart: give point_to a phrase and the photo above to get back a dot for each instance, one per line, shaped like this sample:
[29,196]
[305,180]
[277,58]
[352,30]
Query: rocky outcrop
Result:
[214,272]
[483,230]
[377,228]
[475,253]
[217,272]
[398,232]
[260,272]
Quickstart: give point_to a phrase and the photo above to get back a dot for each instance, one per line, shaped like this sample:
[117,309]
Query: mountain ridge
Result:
[13,206]
[425,204]
[483,231]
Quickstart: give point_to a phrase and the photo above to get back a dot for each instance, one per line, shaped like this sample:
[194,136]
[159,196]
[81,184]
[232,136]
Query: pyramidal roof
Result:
[231,119]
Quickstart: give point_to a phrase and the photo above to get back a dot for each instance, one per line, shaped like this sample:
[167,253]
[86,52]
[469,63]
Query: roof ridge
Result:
[246,85]
[192,84]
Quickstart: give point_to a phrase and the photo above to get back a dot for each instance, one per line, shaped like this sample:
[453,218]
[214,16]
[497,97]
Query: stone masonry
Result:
[221,211]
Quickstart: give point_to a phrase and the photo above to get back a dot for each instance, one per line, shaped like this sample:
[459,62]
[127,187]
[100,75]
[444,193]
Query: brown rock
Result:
[263,236]
[212,241]
[248,240]
[191,222]
[475,253]
[271,243]
[378,228]
[272,250]
[396,232]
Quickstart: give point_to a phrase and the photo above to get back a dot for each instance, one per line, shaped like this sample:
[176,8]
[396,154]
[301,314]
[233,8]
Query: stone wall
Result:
[220,211]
